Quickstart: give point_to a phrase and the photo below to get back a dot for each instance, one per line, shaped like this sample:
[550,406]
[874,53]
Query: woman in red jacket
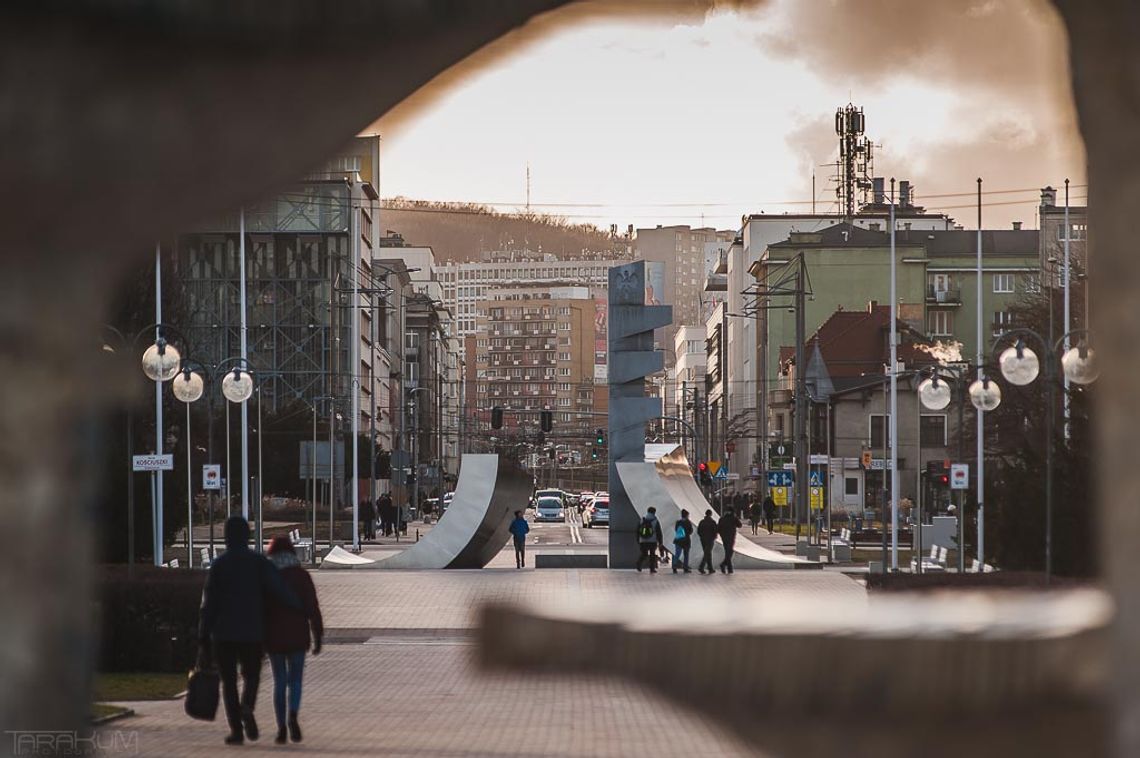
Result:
[287,636]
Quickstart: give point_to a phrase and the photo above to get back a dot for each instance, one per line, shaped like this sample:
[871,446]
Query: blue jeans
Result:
[681,555]
[288,669]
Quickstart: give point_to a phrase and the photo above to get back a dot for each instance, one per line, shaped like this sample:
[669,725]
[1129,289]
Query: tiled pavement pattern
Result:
[400,681]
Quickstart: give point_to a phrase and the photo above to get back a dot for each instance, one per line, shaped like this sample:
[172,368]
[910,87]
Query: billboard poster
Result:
[601,313]
[654,282]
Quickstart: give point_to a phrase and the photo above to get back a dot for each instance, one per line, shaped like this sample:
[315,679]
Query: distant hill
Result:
[462,232]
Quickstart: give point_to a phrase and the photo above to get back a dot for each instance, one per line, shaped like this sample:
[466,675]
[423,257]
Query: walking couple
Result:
[252,605]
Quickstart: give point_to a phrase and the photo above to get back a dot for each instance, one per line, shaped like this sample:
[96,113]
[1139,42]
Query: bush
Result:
[148,622]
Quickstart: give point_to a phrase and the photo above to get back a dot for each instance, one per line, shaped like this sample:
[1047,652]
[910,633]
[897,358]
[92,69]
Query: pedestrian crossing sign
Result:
[815,478]
[721,475]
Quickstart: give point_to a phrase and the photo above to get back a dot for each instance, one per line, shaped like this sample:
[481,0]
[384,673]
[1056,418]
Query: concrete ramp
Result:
[474,528]
[666,482]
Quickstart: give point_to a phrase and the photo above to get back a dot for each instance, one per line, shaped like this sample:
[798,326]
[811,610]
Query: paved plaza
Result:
[396,677]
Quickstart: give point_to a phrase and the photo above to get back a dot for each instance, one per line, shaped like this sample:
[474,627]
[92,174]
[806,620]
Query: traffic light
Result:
[594,453]
[599,437]
[546,418]
[496,418]
[703,473]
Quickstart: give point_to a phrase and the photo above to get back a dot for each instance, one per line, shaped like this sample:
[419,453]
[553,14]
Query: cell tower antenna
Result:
[855,166]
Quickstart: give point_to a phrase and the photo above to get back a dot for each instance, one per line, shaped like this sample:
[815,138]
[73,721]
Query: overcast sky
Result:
[704,115]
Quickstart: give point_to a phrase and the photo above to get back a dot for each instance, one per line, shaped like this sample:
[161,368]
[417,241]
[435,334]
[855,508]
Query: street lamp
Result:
[934,393]
[1021,366]
[188,387]
[160,363]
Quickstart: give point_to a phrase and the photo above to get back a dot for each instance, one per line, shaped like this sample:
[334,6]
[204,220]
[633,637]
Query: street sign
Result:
[714,466]
[816,495]
[732,476]
[959,476]
[212,476]
[721,475]
[866,459]
[815,478]
[780,495]
[789,467]
[780,478]
[154,462]
[818,460]
[780,450]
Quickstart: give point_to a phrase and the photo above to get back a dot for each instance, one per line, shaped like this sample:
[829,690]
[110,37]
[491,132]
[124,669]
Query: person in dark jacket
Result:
[682,542]
[648,538]
[706,533]
[726,528]
[368,519]
[769,511]
[287,636]
[233,617]
[519,529]
[755,515]
[384,506]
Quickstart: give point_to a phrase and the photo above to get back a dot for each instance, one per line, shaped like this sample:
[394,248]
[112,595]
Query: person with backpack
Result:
[232,617]
[726,528]
[519,529]
[682,542]
[287,637]
[706,533]
[648,538]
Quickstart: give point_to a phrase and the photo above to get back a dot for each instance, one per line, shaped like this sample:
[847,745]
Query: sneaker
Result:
[688,571]
[282,736]
[235,738]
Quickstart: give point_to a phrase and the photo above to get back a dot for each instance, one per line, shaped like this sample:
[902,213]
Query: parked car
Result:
[551,493]
[550,509]
[598,512]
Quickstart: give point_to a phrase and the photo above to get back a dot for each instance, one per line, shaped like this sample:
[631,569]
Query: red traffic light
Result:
[702,466]
[944,479]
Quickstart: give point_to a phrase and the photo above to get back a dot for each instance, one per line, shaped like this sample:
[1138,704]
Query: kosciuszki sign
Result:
[154,462]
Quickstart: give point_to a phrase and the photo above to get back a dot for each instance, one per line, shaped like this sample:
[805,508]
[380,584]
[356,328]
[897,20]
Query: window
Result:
[563,402]
[1003,320]
[1076,232]
[564,371]
[932,430]
[411,341]
[878,426]
[564,356]
[851,486]
[1032,283]
[564,310]
[940,323]
[1003,282]
[412,372]
[563,326]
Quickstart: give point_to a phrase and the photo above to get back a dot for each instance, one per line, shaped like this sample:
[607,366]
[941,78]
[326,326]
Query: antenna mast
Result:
[856,159]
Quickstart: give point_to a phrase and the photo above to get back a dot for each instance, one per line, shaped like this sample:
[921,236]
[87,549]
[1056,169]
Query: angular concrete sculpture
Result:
[631,359]
[474,528]
[665,481]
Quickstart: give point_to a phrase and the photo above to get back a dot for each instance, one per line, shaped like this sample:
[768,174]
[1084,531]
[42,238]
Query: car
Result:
[598,512]
[447,498]
[550,508]
[551,492]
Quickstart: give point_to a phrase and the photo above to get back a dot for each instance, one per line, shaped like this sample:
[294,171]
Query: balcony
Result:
[781,398]
[950,296]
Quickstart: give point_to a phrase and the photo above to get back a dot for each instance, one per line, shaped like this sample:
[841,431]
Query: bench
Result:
[841,546]
[932,564]
[977,567]
[567,559]
[204,558]
[304,546]
[173,563]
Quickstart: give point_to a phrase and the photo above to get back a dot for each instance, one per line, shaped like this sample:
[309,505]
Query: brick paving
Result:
[397,679]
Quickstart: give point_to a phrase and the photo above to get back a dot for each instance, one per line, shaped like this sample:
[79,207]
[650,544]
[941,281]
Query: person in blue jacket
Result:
[519,530]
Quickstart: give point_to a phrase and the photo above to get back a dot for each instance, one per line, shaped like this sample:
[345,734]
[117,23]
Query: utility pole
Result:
[894,411]
[243,334]
[801,488]
[156,479]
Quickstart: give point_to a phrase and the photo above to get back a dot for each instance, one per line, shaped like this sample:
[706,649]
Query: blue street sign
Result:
[815,479]
[721,474]
[780,478]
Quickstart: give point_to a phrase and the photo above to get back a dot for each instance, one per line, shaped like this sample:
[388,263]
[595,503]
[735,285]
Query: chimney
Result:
[1017,226]
[904,194]
[878,195]
[1048,197]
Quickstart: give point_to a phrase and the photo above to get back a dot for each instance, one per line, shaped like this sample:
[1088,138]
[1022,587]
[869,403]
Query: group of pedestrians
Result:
[762,512]
[381,518]
[650,540]
[253,605]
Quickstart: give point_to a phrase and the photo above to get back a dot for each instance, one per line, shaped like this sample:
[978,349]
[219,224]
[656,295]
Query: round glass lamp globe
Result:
[161,366]
[1019,369]
[187,387]
[934,396]
[1078,369]
[237,386]
[985,395]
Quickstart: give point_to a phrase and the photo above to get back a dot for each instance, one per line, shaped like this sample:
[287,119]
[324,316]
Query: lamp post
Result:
[160,363]
[1021,366]
[188,387]
[415,448]
[934,393]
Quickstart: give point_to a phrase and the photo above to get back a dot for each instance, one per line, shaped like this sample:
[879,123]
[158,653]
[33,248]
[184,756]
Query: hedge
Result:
[148,622]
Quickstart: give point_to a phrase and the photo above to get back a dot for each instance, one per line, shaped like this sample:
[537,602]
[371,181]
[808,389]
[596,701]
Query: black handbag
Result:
[202,694]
